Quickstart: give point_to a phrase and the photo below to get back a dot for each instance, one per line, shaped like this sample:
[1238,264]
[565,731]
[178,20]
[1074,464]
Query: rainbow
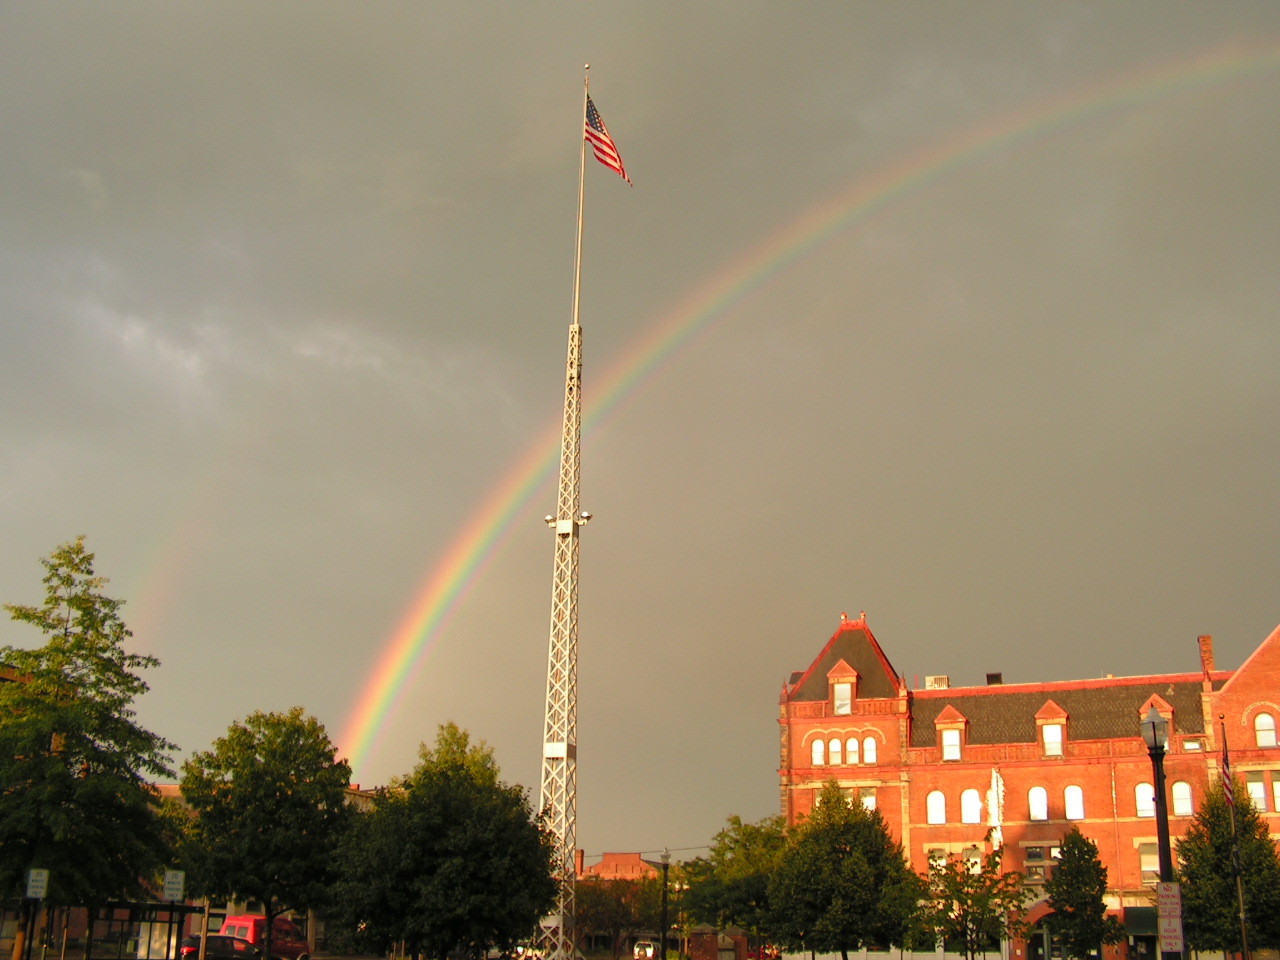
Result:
[452,577]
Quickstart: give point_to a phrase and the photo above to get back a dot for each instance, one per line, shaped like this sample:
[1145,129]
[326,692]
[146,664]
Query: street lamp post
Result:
[1155,732]
[662,940]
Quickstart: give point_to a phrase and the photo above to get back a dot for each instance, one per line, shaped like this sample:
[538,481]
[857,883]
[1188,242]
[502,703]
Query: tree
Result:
[843,882]
[450,859]
[1210,907]
[1076,890]
[731,886]
[269,801]
[75,766]
[974,903]
[617,909]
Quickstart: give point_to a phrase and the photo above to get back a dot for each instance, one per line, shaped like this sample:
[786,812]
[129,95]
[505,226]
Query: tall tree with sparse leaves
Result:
[1210,906]
[75,766]
[450,861]
[1076,890]
[974,904]
[843,882]
[270,806]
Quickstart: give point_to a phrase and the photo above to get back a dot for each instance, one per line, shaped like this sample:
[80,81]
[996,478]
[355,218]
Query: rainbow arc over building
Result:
[452,576]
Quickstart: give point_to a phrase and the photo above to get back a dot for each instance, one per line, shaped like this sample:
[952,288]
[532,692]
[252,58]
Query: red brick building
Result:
[945,765]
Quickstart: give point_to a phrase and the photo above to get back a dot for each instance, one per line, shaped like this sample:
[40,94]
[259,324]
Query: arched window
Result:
[833,752]
[1038,803]
[970,807]
[869,750]
[1074,799]
[1264,728]
[936,807]
[819,753]
[1182,799]
[1144,795]
[851,750]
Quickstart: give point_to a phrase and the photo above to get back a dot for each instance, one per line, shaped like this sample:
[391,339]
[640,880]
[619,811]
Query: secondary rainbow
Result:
[453,575]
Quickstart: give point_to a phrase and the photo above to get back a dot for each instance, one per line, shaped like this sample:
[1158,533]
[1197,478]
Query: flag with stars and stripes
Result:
[605,149]
[1228,787]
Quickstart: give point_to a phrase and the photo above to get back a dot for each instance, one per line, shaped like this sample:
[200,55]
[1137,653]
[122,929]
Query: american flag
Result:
[605,150]
[1228,787]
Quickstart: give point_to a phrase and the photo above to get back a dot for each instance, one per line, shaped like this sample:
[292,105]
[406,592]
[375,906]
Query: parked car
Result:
[220,948]
[287,941]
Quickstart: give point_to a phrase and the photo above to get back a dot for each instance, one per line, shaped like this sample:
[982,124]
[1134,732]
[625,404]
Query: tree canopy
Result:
[1076,891]
[1210,907]
[617,909]
[843,882]
[450,859]
[973,904]
[75,766]
[269,804]
[730,886]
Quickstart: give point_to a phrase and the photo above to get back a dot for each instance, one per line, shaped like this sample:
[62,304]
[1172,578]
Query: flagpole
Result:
[559,794]
[582,176]
[1229,789]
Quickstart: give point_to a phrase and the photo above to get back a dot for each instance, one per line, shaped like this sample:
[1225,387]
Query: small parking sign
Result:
[175,884]
[37,884]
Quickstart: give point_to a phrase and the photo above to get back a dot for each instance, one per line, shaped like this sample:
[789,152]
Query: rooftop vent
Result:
[939,682]
[995,679]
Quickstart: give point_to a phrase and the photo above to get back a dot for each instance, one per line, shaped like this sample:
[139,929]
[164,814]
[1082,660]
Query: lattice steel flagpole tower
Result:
[558,799]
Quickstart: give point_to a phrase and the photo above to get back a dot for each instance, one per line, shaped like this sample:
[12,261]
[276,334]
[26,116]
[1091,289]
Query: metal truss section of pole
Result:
[558,798]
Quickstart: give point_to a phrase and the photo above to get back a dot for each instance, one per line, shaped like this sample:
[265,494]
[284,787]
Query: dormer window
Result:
[950,725]
[842,688]
[951,744]
[842,695]
[1052,733]
[1051,720]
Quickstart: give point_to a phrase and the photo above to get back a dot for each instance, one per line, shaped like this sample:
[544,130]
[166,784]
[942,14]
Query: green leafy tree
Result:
[1210,906]
[449,860]
[843,882]
[269,804]
[730,887]
[974,903]
[1076,889]
[75,766]
[617,909]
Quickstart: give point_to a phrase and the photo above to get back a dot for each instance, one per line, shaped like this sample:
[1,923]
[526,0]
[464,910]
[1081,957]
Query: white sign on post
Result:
[175,884]
[1169,917]
[37,883]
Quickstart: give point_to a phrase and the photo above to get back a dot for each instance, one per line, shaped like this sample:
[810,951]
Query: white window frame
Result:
[1182,805]
[834,755]
[1264,730]
[936,807]
[851,751]
[1038,803]
[951,744]
[1255,782]
[970,806]
[842,697]
[869,750]
[818,752]
[1073,800]
[1052,733]
[1144,799]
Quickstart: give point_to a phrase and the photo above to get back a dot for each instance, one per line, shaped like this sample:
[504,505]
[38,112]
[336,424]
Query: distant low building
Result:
[954,770]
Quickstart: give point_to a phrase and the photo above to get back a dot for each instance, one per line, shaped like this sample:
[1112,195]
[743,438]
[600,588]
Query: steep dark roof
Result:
[1007,714]
[854,644]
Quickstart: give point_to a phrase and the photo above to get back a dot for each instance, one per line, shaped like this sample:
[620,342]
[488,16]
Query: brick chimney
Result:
[579,862]
[1206,654]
